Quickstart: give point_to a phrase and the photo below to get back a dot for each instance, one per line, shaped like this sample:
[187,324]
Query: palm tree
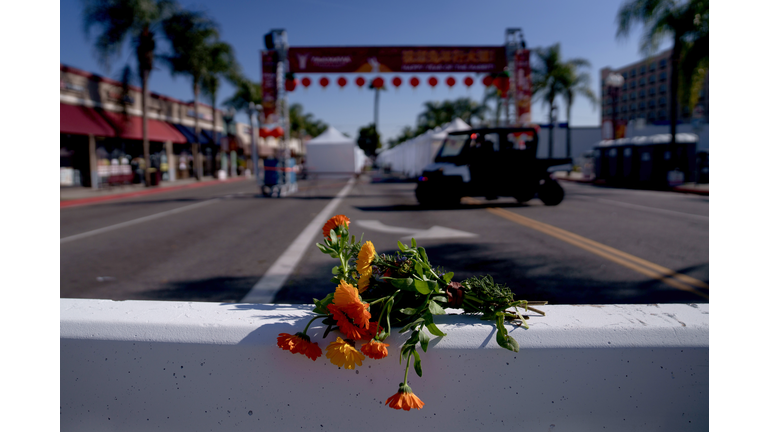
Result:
[575,82]
[190,34]
[547,76]
[247,96]
[688,26]
[221,62]
[493,96]
[138,20]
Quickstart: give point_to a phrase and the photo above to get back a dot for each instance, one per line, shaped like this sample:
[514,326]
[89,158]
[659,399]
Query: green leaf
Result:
[433,286]
[447,277]
[423,254]
[423,340]
[440,299]
[404,284]
[327,330]
[333,237]
[421,286]
[335,270]
[408,311]
[436,309]
[413,244]
[433,329]
[321,306]
[417,362]
[401,246]
[418,268]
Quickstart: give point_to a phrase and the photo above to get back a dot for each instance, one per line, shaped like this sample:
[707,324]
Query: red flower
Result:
[334,223]
[375,349]
[299,344]
[404,399]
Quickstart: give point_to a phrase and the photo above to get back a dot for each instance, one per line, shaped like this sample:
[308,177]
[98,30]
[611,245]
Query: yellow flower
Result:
[364,260]
[343,354]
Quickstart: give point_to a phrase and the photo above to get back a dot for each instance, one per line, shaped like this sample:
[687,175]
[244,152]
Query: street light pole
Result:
[254,108]
[614,83]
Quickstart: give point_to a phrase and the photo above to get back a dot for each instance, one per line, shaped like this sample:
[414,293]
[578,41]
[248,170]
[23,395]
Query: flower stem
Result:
[407,367]
[310,322]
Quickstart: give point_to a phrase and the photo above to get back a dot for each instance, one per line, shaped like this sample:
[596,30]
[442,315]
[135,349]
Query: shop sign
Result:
[200,115]
[396,59]
[269,85]
[523,87]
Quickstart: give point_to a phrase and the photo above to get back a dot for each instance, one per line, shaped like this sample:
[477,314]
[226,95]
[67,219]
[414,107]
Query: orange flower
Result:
[364,259]
[375,349]
[345,294]
[348,301]
[343,354]
[346,325]
[404,399]
[299,344]
[333,223]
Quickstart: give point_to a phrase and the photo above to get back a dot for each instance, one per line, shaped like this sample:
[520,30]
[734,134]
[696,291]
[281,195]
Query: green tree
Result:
[304,124]
[547,74]
[190,34]
[575,82]
[687,24]
[246,98]
[140,21]
[221,64]
[368,139]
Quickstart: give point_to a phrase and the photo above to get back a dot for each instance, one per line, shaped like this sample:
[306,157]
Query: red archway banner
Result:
[397,59]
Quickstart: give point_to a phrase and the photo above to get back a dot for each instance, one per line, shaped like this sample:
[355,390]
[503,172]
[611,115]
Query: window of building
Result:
[642,105]
[632,74]
[662,101]
[624,97]
[642,93]
[623,108]
[651,103]
[662,114]
[651,79]
[652,67]
[662,76]
[632,95]
[624,75]
[633,107]
[642,70]
[651,115]
[642,81]
[624,87]
[602,83]
[662,88]
[632,84]
[662,63]
[651,91]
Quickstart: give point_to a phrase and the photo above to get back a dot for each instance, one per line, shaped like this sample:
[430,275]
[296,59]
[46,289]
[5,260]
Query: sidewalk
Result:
[694,188]
[81,195]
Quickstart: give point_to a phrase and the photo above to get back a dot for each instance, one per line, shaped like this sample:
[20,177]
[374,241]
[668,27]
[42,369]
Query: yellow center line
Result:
[655,271]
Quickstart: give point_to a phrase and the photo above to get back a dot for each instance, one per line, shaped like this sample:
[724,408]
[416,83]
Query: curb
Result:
[601,182]
[99,199]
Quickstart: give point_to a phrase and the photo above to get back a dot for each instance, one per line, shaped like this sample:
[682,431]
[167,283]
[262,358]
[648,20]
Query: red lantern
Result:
[468,81]
[450,81]
[342,82]
[414,82]
[306,81]
[360,81]
[290,85]
[432,81]
[488,81]
[277,132]
[324,82]
[378,82]
[396,81]
[502,83]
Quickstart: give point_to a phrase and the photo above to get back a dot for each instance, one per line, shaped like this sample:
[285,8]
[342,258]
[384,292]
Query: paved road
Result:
[599,246]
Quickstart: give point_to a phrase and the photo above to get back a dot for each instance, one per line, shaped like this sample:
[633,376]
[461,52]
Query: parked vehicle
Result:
[489,162]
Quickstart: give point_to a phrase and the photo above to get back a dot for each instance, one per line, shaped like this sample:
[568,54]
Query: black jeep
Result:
[489,162]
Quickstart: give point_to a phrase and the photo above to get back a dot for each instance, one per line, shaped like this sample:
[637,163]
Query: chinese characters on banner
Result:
[269,85]
[523,86]
[396,59]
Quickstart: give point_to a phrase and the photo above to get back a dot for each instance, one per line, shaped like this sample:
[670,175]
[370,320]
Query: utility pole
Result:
[513,41]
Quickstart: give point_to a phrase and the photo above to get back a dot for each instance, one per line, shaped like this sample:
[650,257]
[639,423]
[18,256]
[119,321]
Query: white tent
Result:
[411,157]
[332,152]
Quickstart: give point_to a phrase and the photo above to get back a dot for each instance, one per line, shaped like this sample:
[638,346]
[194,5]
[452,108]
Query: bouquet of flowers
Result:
[378,292]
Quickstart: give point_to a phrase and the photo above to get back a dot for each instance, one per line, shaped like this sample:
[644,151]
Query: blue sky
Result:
[584,29]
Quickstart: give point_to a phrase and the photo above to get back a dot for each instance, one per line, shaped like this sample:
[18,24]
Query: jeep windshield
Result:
[452,147]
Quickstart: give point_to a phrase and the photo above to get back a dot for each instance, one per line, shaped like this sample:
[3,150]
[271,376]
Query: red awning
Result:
[80,120]
[130,128]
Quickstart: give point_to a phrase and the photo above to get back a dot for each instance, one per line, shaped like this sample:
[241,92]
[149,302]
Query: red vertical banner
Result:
[523,86]
[269,85]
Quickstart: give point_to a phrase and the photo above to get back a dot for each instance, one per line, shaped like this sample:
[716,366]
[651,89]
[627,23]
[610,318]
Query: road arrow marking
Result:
[436,232]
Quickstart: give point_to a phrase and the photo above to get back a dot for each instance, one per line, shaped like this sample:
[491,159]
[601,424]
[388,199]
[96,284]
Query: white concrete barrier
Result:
[142,365]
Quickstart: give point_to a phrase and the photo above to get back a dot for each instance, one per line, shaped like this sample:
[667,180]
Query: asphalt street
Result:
[599,246]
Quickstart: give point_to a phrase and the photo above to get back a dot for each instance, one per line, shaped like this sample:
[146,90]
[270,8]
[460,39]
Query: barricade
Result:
[145,365]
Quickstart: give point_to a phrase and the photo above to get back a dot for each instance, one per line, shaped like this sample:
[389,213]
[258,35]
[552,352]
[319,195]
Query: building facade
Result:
[646,93]
[101,139]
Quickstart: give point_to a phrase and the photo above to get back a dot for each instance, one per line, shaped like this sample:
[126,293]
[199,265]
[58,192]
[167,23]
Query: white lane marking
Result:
[432,233]
[137,221]
[265,289]
[653,209]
